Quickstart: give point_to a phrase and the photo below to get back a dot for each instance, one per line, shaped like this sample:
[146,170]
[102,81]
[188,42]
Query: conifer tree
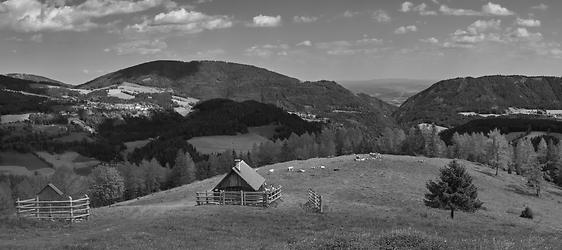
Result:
[453,190]
[183,171]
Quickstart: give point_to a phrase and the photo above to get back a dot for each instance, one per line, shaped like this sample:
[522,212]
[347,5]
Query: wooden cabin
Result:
[51,193]
[241,177]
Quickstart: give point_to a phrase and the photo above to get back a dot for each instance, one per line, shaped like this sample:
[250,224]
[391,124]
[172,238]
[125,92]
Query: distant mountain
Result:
[37,79]
[393,91]
[206,80]
[443,101]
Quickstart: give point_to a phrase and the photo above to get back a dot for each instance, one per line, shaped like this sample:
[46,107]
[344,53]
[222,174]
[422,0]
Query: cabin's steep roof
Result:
[247,173]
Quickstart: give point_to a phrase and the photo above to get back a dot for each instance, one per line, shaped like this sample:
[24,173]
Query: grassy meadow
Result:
[368,205]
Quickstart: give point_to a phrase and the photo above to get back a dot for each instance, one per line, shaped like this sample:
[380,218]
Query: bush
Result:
[527,213]
[410,239]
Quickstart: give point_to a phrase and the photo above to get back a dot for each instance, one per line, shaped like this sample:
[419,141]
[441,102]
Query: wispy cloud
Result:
[143,47]
[528,22]
[405,29]
[381,16]
[186,21]
[489,9]
[541,6]
[367,45]
[422,9]
[267,50]
[266,21]
[305,19]
[35,15]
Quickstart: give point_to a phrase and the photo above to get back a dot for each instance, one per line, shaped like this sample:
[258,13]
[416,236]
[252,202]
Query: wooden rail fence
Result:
[60,210]
[257,199]
[315,201]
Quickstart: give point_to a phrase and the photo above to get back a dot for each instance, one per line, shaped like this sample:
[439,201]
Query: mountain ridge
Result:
[443,101]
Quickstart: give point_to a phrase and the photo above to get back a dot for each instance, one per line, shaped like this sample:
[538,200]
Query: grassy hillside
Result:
[363,200]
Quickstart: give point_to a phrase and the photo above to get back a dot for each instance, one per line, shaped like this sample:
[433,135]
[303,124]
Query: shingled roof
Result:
[246,173]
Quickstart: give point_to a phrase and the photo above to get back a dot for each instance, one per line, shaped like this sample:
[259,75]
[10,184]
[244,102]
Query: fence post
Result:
[87,206]
[223,196]
[71,209]
[18,207]
[241,197]
[37,206]
[320,201]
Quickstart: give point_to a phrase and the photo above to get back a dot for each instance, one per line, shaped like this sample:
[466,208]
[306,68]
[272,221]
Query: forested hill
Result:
[442,102]
[211,79]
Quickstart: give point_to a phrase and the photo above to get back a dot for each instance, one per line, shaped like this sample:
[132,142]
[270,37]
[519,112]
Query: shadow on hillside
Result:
[520,190]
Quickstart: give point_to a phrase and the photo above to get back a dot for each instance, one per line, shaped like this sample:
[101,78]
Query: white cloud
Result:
[483,26]
[496,10]
[267,51]
[349,13]
[305,19]
[406,29]
[38,38]
[306,43]
[541,6]
[35,15]
[406,6]
[489,9]
[183,20]
[381,16]
[528,22]
[458,12]
[266,21]
[431,40]
[366,45]
[143,47]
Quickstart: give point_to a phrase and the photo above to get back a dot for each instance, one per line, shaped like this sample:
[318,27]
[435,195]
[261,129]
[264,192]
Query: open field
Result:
[82,165]
[363,200]
[221,143]
[22,163]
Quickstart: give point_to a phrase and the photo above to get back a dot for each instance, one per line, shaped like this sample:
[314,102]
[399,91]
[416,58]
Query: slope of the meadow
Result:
[363,199]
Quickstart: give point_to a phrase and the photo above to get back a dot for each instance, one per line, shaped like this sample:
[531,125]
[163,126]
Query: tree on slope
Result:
[453,190]
[106,185]
[499,150]
[183,171]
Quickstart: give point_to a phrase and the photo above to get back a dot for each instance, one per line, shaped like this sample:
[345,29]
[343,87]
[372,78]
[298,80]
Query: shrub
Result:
[527,213]
[410,239]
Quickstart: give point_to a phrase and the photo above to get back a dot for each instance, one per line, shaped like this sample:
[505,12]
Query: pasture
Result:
[22,163]
[221,143]
[363,200]
[82,165]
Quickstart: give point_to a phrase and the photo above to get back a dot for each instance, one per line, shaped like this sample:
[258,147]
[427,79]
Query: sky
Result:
[75,41]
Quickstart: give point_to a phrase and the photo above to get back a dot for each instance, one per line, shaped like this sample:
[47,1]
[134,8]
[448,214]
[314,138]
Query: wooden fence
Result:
[54,210]
[257,199]
[315,201]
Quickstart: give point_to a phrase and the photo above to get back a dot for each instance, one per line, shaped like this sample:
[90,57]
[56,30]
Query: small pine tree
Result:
[454,190]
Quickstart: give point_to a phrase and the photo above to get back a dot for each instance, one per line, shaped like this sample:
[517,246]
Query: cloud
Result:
[541,6]
[406,6]
[35,15]
[143,47]
[489,9]
[366,45]
[483,26]
[305,19]
[38,38]
[406,29]
[266,21]
[496,10]
[267,51]
[528,22]
[421,9]
[306,43]
[381,16]
[350,13]
[431,40]
[187,21]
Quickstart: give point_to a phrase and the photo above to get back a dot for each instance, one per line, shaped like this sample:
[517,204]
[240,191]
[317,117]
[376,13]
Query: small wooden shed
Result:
[51,193]
[241,177]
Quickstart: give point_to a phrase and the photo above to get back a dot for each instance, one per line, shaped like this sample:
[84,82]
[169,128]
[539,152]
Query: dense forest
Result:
[505,125]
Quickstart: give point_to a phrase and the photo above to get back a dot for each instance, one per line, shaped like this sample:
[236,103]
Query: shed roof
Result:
[53,187]
[247,173]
